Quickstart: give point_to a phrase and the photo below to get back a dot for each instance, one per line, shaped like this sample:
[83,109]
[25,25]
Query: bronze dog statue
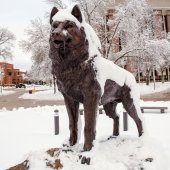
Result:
[83,76]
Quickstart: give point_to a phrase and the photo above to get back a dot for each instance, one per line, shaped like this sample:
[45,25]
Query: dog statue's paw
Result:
[87,147]
[73,140]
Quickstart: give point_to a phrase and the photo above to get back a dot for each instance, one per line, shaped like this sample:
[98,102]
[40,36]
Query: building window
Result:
[9,73]
[166,23]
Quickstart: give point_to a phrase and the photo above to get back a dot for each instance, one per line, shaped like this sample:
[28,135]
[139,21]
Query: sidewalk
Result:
[12,101]
[159,96]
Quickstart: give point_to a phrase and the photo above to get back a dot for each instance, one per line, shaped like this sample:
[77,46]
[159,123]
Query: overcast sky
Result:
[16,16]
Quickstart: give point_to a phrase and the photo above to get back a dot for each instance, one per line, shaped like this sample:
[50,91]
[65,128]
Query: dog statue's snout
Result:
[56,32]
[54,35]
[58,36]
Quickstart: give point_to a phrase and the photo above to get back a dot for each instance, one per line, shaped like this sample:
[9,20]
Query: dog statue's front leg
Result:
[72,107]
[90,113]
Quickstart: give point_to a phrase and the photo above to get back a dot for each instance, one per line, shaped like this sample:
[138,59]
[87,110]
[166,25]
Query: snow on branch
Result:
[38,45]
[6,42]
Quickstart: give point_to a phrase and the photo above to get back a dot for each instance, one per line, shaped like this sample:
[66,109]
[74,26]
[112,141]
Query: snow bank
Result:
[6,92]
[46,92]
[159,87]
[43,95]
[26,130]
[38,87]
[108,154]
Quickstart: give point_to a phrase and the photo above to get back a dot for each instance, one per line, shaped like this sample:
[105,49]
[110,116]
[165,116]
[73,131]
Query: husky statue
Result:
[84,76]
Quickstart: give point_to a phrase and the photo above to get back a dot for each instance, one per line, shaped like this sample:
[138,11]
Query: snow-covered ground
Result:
[26,130]
[38,87]
[42,93]
[144,89]
[6,92]
[47,93]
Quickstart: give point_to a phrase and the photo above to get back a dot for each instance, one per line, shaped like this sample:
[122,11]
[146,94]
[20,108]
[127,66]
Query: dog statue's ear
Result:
[77,13]
[53,12]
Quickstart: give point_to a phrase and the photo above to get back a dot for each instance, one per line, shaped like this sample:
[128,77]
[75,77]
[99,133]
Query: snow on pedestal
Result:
[121,153]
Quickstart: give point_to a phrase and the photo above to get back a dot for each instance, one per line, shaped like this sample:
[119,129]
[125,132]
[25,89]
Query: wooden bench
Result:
[162,109]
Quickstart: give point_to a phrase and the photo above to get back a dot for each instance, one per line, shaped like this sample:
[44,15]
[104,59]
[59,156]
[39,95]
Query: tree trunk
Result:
[54,81]
[162,73]
[168,72]
[154,77]
[147,77]
[138,75]
[50,83]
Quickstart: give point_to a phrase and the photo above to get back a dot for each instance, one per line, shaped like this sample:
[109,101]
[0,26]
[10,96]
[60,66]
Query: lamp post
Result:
[138,71]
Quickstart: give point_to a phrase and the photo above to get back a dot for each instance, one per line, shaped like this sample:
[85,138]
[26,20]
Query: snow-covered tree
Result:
[135,30]
[94,11]
[134,22]
[6,42]
[159,54]
[58,3]
[38,45]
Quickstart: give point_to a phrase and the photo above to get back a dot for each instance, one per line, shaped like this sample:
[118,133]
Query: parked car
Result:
[20,85]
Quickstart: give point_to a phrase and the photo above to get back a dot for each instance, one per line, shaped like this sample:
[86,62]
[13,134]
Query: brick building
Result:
[10,74]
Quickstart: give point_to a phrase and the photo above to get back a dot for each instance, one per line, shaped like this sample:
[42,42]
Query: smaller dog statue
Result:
[84,76]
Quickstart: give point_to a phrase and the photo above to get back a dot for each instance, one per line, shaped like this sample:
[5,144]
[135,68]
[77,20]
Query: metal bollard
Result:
[125,121]
[81,111]
[56,122]
[100,110]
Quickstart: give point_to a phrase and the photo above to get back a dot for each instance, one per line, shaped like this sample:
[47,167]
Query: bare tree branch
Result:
[38,44]
[127,52]
[111,39]
[6,42]
[94,8]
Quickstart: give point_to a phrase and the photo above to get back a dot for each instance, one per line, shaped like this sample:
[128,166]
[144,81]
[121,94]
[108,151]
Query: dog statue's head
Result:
[66,30]
[72,40]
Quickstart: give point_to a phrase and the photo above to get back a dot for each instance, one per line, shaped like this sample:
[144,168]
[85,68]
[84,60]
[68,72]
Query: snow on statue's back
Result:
[84,76]
[108,70]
